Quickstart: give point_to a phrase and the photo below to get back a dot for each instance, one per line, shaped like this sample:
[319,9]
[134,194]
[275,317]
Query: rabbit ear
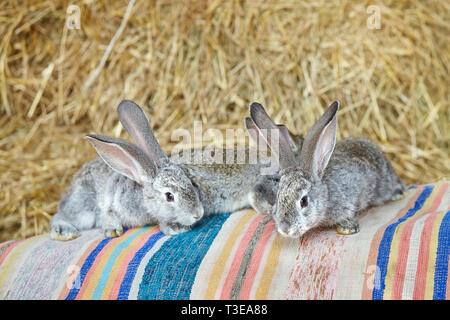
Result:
[266,128]
[254,132]
[138,127]
[252,129]
[287,135]
[319,142]
[123,157]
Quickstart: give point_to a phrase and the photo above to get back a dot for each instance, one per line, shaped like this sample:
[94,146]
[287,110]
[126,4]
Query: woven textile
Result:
[401,252]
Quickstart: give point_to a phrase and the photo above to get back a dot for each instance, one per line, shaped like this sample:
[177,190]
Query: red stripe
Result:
[9,249]
[403,250]
[226,290]
[86,283]
[424,254]
[256,260]
[316,269]
[67,287]
[375,244]
[125,262]
[4,244]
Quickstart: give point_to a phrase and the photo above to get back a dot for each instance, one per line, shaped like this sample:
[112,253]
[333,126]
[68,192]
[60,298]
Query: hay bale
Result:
[206,61]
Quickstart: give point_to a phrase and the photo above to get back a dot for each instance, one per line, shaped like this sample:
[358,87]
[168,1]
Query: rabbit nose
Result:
[283,229]
[199,213]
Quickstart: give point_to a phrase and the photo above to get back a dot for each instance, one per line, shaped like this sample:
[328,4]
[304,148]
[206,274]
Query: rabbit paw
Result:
[112,227]
[64,232]
[173,228]
[348,227]
[398,196]
[111,232]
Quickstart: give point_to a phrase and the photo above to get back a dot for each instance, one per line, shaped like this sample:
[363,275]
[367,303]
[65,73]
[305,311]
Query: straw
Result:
[206,61]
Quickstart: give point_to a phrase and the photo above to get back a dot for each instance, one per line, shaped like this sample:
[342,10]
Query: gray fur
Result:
[339,181]
[225,188]
[111,194]
[222,187]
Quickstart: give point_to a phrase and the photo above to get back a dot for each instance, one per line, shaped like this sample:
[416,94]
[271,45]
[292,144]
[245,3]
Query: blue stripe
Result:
[85,269]
[442,256]
[133,266]
[171,271]
[385,244]
[110,263]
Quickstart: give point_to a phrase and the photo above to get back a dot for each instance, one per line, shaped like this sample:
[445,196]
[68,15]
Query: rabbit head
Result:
[165,186]
[302,198]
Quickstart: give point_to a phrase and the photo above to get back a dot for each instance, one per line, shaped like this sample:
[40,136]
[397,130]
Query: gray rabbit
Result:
[328,185]
[127,187]
[131,186]
[222,187]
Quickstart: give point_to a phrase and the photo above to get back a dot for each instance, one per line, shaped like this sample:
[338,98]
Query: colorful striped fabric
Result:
[401,252]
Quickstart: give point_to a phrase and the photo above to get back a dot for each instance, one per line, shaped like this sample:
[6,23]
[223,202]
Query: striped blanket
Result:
[401,252]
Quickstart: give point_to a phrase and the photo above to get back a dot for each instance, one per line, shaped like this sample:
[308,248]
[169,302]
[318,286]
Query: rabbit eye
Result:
[304,202]
[169,197]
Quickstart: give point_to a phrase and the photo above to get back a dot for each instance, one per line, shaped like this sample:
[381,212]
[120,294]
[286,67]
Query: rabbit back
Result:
[233,179]
[124,198]
[224,187]
[359,176]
